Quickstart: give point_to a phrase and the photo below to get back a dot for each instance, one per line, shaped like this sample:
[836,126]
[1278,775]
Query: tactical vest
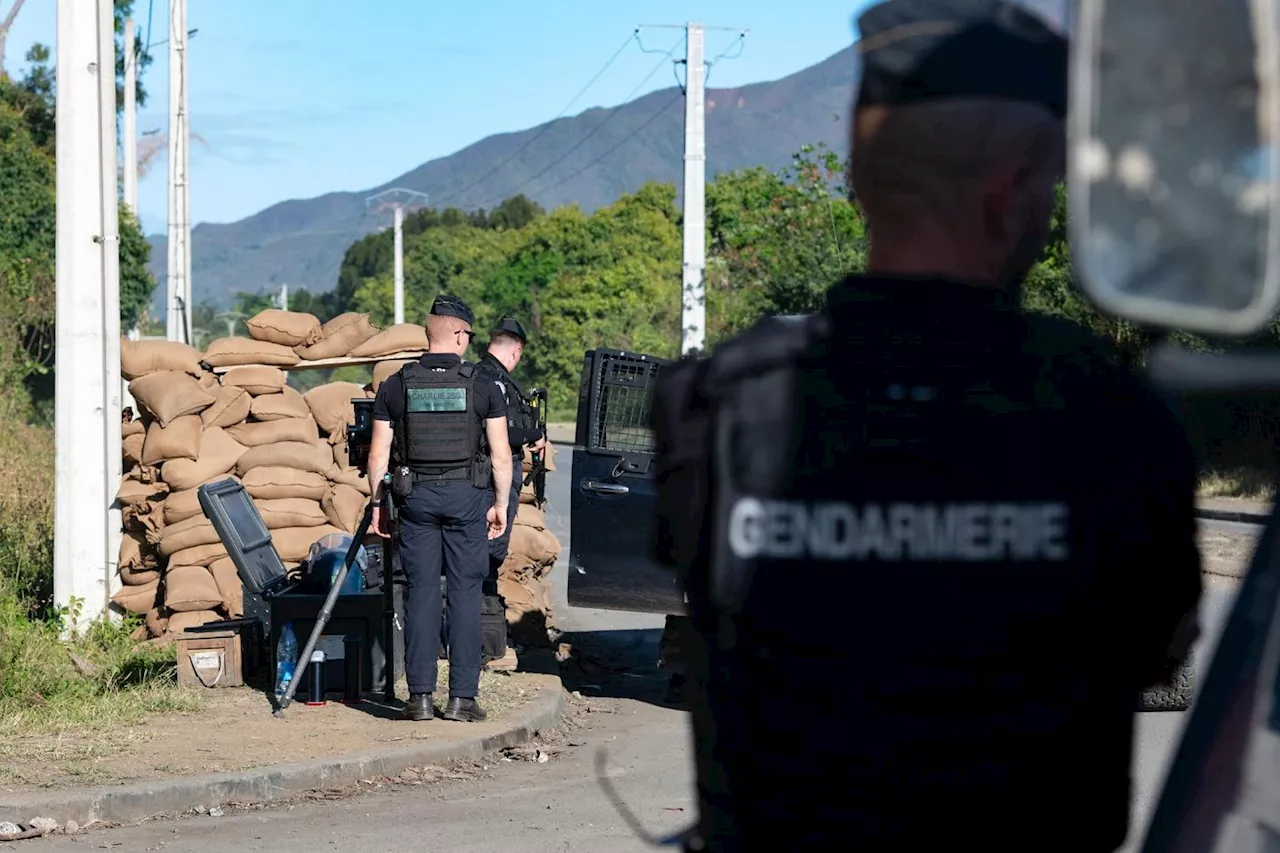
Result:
[442,438]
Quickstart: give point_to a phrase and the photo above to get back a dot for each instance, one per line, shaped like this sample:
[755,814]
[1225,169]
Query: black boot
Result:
[418,707]
[464,711]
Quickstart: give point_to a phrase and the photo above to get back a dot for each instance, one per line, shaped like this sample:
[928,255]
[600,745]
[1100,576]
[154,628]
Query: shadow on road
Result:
[615,664]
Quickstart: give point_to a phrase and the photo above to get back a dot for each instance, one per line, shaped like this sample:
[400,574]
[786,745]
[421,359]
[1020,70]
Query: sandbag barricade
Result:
[524,579]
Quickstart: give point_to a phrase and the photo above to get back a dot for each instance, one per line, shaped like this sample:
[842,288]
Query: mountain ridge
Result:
[603,153]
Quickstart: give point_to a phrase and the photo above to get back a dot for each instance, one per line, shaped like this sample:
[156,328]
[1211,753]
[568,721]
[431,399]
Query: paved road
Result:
[552,806]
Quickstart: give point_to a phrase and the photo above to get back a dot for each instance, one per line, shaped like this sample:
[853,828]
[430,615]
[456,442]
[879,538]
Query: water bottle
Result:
[286,658]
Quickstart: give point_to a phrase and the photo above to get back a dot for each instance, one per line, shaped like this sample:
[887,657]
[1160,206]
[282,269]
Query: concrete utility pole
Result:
[284,297]
[129,134]
[86,396]
[398,199]
[178,321]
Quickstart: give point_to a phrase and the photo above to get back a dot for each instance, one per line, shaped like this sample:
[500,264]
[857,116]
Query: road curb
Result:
[1240,516]
[140,800]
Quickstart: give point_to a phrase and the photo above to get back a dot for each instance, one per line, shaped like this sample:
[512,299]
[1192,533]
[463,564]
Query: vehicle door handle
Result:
[605,488]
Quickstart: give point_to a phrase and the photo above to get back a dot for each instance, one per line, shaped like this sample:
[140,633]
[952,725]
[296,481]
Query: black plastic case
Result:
[248,542]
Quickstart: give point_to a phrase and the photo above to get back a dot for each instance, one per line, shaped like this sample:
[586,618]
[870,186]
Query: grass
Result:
[1246,483]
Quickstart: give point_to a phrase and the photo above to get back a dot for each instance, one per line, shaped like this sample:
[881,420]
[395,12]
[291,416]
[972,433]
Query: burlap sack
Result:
[145,518]
[331,406]
[526,516]
[339,337]
[352,477]
[273,482]
[344,507]
[303,456]
[256,434]
[291,512]
[137,599]
[200,555]
[188,619]
[219,454]
[189,533]
[181,439]
[288,403]
[231,406]
[526,494]
[232,352]
[140,358]
[170,394]
[384,369]
[229,586]
[528,612]
[188,588]
[293,543]
[538,545]
[402,337]
[131,428]
[138,558]
[287,328]
[132,447]
[133,491]
[255,380]
[156,622]
[209,381]
[180,506]
[138,577]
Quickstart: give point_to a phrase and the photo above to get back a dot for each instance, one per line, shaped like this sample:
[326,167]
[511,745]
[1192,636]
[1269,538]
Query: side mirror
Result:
[1173,161]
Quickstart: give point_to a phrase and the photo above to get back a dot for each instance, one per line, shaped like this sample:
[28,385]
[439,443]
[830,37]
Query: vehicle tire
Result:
[1171,697]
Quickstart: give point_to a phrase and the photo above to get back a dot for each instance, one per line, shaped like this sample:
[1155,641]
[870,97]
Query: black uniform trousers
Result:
[443,528]
[498,547]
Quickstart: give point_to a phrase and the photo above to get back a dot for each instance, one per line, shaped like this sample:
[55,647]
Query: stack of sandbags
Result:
[524,579]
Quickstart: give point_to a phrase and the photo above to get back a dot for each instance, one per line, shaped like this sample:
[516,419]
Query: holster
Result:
[401,481]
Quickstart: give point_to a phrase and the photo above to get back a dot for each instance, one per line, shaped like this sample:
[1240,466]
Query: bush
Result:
[26,515]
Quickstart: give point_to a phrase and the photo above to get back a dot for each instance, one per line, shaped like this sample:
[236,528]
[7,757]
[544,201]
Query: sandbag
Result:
[538,545]
[209,381]
[170,394]
[386,369]
[256,434]
[291,512]
[142,358]
[288,403]
[274,482]
[293,543]
[526,494]
[188,588]
[341,453]
[137,599]
[230,587]
[138,577]
[156,622]
[255,380]
[231,406]
[353,478]
[331,405]
[286,328]
[231,352]
[137,557]
[219,453]
[344,507]
[339,337]
[145,518]
[179,440]
[200,555]
[287,454]
[527,516]
[189,533]
[180,506]
[402,337]
[128,429]
[132,449]
[133,491]
[188,619]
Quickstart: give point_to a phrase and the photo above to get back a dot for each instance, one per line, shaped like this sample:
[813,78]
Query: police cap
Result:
[919,50]
[510,326]
[452,306]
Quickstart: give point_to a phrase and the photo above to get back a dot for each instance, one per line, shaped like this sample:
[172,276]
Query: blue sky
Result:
[296,98]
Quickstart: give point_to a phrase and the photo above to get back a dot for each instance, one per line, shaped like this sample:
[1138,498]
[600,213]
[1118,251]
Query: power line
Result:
[603,122]
[625,44]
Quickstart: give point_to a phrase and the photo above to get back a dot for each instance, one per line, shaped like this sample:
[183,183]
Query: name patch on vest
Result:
[901,532]
[437,400]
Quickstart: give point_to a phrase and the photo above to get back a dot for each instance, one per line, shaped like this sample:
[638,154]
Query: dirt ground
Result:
[234,730]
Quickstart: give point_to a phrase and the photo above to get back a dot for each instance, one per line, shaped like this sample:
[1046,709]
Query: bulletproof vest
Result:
[441,428]
[867,519]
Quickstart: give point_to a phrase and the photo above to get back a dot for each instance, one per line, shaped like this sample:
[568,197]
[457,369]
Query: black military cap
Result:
[511,326]
[918,50]
[452,306]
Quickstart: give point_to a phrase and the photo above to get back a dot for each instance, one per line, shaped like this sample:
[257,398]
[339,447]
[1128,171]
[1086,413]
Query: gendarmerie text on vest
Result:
[962,532]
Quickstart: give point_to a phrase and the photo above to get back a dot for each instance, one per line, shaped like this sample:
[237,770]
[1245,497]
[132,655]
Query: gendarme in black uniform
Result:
[438,410]
[522,430]
[934,549]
